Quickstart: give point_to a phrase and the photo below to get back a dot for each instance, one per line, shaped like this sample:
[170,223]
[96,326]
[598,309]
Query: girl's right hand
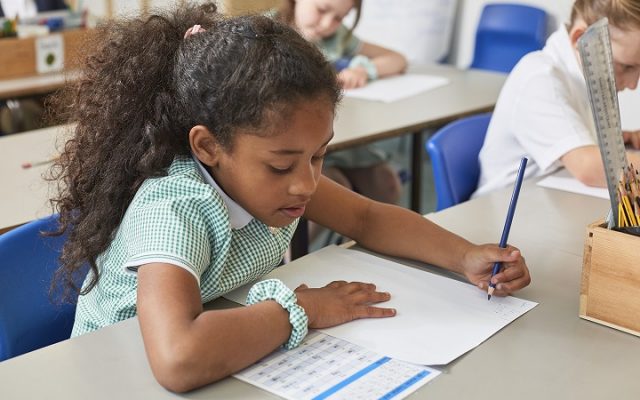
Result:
[341,302]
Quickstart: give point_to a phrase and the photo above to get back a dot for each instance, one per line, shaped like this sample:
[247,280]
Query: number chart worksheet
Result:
[325,367]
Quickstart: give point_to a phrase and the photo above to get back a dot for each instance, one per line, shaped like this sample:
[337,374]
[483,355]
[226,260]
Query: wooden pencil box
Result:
[18,56]
[610,289]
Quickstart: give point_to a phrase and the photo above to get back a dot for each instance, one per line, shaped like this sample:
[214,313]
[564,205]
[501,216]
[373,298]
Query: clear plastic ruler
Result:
[597,64]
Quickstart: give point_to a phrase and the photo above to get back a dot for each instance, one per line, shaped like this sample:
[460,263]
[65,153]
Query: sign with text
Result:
[49,53]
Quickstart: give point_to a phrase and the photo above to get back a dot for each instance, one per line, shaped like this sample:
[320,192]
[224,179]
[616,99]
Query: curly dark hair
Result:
[142,89]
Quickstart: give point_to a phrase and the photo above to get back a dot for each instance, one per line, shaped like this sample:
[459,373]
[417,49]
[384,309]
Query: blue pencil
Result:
[507,223]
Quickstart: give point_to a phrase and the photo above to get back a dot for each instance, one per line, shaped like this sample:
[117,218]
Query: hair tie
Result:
[193,30]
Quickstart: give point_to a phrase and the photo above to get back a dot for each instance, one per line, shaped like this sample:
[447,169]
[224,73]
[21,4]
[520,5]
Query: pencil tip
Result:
[488,297]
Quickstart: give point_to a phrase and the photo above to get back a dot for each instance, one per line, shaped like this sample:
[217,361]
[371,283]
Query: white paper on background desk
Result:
[398,87]
[571,184]
[325,367]
[438,318]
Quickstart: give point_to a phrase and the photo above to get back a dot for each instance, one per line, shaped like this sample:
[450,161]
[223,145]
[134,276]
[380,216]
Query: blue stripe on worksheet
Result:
[405,385]
[352,378]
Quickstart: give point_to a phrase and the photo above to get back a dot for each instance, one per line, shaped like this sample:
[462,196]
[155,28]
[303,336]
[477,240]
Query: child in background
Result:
[193,157]
[364,169]
[543,111]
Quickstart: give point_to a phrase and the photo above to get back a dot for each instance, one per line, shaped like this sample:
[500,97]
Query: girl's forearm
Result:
[216,344]
[403,233]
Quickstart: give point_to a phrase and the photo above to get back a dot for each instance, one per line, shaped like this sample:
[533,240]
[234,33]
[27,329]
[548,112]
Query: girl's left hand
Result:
[351,78]
[513,275]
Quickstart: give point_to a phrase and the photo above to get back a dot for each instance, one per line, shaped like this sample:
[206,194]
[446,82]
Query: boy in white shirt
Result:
[543,111]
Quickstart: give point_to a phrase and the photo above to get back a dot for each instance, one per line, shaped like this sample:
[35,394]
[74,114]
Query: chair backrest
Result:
[454,151]
[29,317]
[505,33]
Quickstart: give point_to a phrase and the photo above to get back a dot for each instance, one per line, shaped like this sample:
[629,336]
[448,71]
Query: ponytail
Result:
[122,108]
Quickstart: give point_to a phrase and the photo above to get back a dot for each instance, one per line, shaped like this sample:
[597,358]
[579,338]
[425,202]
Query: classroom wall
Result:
[420,30]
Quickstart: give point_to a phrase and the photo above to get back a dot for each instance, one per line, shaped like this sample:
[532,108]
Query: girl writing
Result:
[193,157]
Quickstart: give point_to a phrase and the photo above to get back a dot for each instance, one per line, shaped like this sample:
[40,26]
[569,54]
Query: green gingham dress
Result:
[183,219]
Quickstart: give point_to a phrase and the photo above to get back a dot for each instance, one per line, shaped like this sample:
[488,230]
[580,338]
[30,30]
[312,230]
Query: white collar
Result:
[559,46]
[238,216]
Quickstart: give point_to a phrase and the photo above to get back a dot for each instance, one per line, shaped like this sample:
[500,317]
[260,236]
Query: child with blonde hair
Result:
[543,111]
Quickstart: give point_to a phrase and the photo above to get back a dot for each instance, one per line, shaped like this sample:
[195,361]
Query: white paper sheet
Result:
[395,88]
[438,319]
[325,367]
[562,181]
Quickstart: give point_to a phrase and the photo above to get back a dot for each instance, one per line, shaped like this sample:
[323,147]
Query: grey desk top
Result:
[25,193]
[547,353]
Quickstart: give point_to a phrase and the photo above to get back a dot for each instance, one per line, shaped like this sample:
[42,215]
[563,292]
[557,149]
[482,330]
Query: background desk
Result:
[19,58]
[34,85]
[25,193]
[358,122]
[549,353]
[364,121]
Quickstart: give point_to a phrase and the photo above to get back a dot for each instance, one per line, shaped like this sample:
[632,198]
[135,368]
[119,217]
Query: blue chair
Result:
[454,151]
[29,317]
[505,33]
